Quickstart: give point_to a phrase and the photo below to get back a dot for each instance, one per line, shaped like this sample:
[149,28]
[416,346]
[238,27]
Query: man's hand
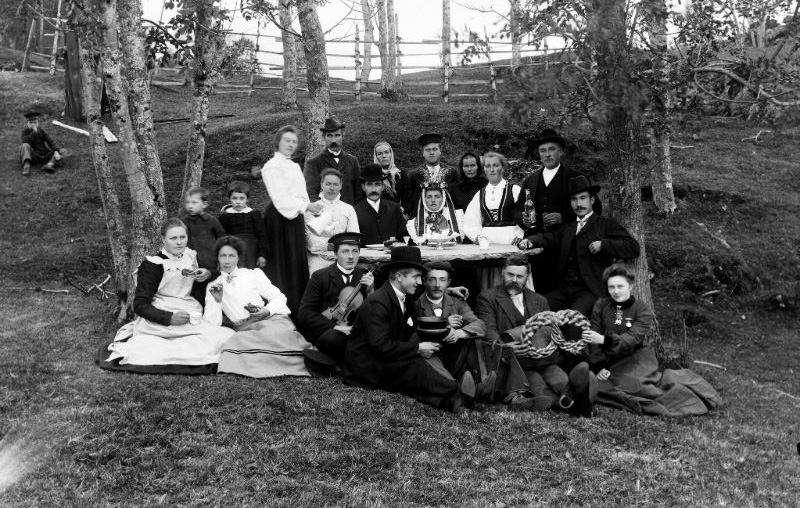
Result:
[427,349]
[520,350]
[458,292]
[216,292]
[455,336]
[516,241]
[455,321]
[57,155]
[202,274]
[345,329]
[179,318]
[592,337]
[315,208]
[261,262]
[595,246]
[527,220]
[368,280]
[603,374]
[552,219]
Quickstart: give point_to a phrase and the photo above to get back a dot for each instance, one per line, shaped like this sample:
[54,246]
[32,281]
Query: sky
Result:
[418,20]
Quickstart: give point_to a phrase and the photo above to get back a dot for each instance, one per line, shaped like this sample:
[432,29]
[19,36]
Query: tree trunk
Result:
[516,38]
[56,32]
[390,92]
[140,104]
[446,50]
[92,91]
[26,58]
[369,40]
[147,214]
[659,116]
[289,86]
[383,49]
[319,87]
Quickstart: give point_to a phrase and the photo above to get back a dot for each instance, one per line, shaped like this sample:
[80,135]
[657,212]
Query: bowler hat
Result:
[32,115]
[332,123]
[549,136]
[318,363]
[371,173]
[581,184]
[404,256]
[440,265]
[428,138]
[433,328]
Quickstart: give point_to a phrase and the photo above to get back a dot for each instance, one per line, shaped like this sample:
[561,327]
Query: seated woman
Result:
[395,181]
[627,368]
[336,217]
[169,329]
[436,216]
[266,343]
[491,211]
[472,180]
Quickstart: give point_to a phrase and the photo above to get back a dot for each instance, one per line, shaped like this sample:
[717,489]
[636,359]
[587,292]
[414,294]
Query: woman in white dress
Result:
[169,329]
[491,211]
[336,217]
[287,263]
[266,342]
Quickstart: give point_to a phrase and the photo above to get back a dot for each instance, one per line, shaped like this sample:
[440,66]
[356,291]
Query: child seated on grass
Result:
[247,224]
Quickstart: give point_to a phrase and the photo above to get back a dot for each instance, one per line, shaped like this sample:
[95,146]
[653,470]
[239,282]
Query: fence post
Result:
[26,58]
[492,72]
[357,57]
[55,40]
[257,66]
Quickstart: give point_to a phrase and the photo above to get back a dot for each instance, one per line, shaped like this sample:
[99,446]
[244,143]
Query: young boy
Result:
[37,147]
[247,224]
[203,228]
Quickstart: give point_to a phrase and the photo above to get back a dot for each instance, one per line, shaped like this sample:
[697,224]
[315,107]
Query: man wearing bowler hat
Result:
[322,293]
[547,188]
[384,350]
[378,219]
[432,171]
[585,247]
[37,147]
[333,156]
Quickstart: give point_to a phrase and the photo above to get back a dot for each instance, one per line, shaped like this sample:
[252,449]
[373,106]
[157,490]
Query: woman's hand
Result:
[592,337]
[603,375]
[315,208]
[202,274]
[179,318]
[261,262]
[216,292]
[261,313]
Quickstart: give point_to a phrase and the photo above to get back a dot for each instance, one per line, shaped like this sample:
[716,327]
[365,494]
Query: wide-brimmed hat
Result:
[428,138]
[404,256]
[332,123]
[581,184]
[432,328]
[371,173]
[32,115]
[549,136]
[347,238]
[440,265]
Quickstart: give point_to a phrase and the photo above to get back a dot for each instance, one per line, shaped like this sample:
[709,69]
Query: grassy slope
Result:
[92,438]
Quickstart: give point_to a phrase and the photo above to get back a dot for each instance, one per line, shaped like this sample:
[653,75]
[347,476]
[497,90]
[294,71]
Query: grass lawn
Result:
[73,435]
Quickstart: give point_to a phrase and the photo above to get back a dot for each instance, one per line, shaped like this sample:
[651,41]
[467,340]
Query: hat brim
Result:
[361,178]
[592,189]
[330,129]
[397,265]
[550,139]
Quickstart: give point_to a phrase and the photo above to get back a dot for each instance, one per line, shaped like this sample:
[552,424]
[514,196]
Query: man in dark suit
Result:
[378,219]
[546,188]
[333,156]
[432,171]
[585,247]
[384,350]
[322,293]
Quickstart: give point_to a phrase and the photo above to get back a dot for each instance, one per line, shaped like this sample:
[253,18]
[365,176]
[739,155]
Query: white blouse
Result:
[473,220]
[241,287]
[285,185]
[336,217]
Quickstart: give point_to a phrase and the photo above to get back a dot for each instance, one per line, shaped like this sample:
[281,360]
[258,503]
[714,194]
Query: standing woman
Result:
[287,266]
[472,180]
[395,182]
[491,211]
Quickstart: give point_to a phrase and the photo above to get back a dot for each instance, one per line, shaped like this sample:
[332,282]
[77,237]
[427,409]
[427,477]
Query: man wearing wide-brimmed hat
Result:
[378,219]
[37,147]
[547,189]
[384,350]
[333,156]
[585,247]
[431,171]
[322,293]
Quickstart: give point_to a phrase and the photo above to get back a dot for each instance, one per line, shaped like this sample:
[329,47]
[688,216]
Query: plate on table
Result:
[445,245]
[375,246]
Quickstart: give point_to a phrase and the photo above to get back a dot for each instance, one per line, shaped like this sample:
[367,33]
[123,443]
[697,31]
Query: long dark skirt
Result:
[287,264]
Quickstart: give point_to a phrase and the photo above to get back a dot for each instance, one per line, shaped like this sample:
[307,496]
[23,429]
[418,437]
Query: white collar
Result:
[499,185]
[281,156]
[553,170]
[433,168]
[435,302]
[335,154]
[173,256]
[331,201]
[230,209]
[400,295]
[346,272]
[374,204]
[585,217]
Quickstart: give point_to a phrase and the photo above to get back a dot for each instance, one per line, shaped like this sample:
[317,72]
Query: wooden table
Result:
[488,263]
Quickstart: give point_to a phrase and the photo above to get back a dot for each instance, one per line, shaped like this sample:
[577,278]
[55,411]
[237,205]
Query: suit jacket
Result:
[348,166]
[41,143]
[380,335]
[416,177]
[322,292]
[557,189]
[498,311]
[450,306]
[378,226]
[617,243]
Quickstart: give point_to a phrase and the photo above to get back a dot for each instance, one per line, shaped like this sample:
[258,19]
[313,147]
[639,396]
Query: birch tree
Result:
[383,37]
[319,88]
[289,84]
[390,92]
[369,39]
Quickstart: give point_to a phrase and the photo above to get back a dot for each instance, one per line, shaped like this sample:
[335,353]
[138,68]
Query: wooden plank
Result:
[69,127]
[110,137]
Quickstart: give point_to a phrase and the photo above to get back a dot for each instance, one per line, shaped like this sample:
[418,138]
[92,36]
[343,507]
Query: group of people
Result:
[251,294]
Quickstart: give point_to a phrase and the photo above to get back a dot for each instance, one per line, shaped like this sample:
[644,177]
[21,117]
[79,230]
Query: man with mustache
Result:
[378,219]
[333,156]
[585,247]
[432,171]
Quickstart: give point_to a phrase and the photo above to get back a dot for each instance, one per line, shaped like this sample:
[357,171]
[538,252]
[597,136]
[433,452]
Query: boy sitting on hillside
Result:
[37,147]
